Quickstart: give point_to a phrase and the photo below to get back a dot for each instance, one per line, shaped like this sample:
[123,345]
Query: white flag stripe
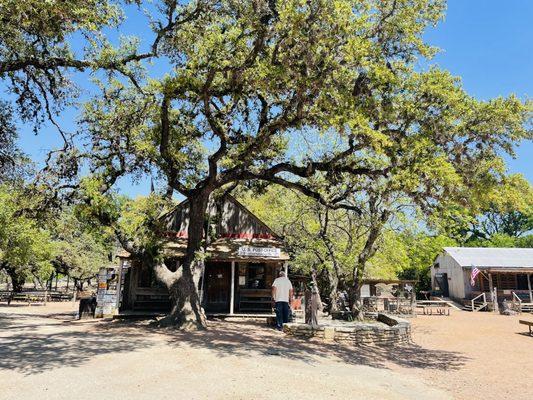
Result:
[475,272]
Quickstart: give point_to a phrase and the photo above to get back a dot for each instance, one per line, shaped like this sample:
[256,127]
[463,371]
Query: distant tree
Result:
[500,210]
[422,249]
[26,248]
[507,210]
[80,250]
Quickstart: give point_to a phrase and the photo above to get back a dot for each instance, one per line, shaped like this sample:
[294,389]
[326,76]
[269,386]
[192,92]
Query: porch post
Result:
[529,288]
[491,288]
[495,301]
[286,268]
[232,290]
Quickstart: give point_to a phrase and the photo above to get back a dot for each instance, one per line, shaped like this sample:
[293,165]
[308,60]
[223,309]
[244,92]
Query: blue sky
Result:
[489,43]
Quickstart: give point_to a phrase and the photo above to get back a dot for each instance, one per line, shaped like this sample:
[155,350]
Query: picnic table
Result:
[36,296]
[441,307]
[529,324]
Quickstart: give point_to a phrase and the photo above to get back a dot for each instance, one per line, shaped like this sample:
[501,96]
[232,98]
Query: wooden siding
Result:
[457,276]
[229,218]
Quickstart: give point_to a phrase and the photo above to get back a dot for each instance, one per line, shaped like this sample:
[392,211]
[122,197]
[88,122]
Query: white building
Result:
[506,269]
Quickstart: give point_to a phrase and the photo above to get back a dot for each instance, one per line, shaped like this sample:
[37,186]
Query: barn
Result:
[507,271]
[243,258]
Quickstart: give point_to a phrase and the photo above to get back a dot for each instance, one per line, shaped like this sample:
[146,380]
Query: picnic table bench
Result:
[6,295]
[441,307]
[529,324]
[34,296]
[29,297]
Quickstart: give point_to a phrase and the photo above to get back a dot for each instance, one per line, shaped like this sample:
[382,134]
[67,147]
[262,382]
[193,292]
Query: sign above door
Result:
[253,251]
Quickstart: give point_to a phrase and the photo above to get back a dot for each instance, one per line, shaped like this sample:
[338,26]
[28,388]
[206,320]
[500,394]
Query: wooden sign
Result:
[252,251]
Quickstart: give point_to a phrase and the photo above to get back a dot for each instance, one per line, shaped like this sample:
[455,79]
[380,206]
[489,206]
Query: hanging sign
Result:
[252,251]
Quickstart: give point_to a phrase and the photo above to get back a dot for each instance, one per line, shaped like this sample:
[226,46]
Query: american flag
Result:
[473,274]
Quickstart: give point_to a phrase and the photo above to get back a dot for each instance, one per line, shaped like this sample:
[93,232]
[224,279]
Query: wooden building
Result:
[243,259]
[509,271]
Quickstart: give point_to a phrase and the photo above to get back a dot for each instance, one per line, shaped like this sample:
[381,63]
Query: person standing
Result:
[282,294]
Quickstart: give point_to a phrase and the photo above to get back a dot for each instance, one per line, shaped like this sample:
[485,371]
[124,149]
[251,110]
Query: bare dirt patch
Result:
[497,354]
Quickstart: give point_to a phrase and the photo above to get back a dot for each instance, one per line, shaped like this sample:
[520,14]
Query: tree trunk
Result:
[315,284]
[17,279]
[356,304]
[186,309]
[333,291]
[368,251]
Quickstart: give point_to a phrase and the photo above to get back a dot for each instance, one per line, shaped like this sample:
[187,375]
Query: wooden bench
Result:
[6,296]
[255,300]
[529,324]
[30,297]
[59,296]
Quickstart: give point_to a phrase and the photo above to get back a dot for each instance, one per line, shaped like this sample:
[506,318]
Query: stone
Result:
[329,333]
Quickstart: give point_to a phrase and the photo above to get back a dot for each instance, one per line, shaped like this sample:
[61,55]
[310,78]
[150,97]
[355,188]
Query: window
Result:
[146,278]
[507,282]
[521,283]
[256,276]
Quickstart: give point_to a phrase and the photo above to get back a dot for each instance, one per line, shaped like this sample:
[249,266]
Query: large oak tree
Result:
[248,88]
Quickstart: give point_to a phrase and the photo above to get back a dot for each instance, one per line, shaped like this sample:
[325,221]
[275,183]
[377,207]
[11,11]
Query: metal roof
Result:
[490,257]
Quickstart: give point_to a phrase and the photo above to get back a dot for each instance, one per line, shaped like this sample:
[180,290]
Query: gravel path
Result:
[45,354]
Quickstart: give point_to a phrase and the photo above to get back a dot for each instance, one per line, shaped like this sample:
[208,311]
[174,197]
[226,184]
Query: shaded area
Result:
[36,343]
[71,345]
[248,339]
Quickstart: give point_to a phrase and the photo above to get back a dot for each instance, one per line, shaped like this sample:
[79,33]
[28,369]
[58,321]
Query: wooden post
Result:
[495,301]
[529,288]
[398,304]
[413,302]
[491,289]
[232,292]
[286,268]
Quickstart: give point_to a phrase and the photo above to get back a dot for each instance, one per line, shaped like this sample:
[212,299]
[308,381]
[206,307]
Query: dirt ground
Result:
[46,354]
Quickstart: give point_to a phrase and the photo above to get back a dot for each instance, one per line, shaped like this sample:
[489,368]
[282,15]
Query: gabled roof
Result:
[491,257]
[237,228]
[232,220]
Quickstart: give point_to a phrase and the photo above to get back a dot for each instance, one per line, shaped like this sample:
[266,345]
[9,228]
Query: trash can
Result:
[87,307]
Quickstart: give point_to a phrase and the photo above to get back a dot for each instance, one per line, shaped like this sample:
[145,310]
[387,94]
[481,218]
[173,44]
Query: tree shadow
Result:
[21,321]
[27,351]
[249,339]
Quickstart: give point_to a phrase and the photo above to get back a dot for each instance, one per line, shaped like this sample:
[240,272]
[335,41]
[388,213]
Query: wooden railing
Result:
[515,299]
[477,297]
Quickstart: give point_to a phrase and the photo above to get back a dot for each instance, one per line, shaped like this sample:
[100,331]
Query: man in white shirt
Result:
[282,295]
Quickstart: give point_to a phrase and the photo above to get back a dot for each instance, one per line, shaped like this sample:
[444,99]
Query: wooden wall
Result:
[228,217]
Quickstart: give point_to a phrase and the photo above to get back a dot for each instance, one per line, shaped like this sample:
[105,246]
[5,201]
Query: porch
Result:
[228,288]
[494,285]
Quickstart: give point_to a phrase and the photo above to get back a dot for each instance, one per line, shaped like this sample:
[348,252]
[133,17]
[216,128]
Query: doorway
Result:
[442,284]
[217,291]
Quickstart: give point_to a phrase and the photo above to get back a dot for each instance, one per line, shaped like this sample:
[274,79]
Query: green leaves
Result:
[25,245]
